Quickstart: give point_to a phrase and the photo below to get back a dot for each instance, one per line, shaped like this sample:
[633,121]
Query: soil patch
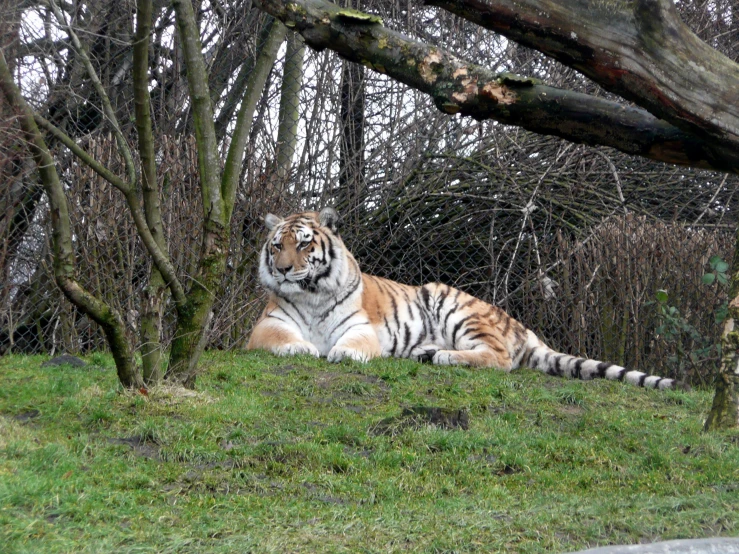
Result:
[289,368]
[145,447]
[64,359]
[571,410]
[420,416]
[27,416]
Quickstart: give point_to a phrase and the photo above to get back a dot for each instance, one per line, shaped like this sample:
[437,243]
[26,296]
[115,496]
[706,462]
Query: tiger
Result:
[321,304]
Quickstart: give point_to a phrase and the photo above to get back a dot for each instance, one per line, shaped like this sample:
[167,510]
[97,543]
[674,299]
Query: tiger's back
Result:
[442,324]
[322,304]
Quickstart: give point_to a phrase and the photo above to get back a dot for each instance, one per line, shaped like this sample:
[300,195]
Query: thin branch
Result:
[258,78]
[202,111]
[100,89]
[160,259]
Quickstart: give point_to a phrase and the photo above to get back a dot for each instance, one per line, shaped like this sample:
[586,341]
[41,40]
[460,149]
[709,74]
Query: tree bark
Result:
[724,413]
[150,323]
[218,190]
[351,145]
[458,86]
[640,50]
[292,80]
[114,327]
[194,316]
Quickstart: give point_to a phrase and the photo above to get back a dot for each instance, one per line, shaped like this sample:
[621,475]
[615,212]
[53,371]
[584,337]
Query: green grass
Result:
[284,455]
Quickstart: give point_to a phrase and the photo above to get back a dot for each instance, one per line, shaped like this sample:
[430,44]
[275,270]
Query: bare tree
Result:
[194,300]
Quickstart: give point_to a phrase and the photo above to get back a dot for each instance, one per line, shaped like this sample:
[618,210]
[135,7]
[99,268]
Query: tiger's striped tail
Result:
[541,357]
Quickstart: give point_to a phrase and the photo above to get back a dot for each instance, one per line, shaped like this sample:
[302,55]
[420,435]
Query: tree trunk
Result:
[292,80]
[218,191]
[195,314]
[458,86]
[724,412]
[116,330]
[150,323]
[351,145]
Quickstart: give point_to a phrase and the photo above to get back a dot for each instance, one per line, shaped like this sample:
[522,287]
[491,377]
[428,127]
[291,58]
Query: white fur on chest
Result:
[319,320]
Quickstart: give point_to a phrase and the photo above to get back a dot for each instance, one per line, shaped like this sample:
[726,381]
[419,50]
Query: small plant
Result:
[692,350]
[718,271]
[718,274]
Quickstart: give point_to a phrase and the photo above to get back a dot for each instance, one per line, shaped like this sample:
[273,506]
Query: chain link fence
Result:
[573,241]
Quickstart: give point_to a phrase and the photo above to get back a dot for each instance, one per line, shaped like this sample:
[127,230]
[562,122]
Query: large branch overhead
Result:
[640,50]
[458,86]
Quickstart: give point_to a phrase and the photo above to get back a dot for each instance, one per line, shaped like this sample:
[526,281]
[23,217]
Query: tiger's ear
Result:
[329,218]
[272,221]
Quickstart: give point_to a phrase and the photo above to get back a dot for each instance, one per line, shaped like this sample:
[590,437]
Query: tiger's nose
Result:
[285,269]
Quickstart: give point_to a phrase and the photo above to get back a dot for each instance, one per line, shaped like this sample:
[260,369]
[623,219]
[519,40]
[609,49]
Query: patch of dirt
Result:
[325,498]
[289,368]
[420,416]
[508,470]
[142,446]
[571,410]
[64,359]
[23,417]
[363,453]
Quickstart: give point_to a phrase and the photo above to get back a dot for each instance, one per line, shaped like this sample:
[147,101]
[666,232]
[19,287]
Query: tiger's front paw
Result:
[339,353]
[295,348]
[424,354]
[445,357]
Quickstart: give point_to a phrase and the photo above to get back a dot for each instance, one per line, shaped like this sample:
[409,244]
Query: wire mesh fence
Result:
[573,241]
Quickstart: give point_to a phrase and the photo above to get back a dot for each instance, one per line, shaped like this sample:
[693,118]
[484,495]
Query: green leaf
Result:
[722,312]
[714,260]
[722,266]
[709,278]
[722,278]
[661,296]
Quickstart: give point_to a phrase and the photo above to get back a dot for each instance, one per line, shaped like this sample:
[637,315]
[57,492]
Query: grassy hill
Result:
[297,455]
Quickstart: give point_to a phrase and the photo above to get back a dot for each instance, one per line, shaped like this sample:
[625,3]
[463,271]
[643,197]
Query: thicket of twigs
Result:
[573,241]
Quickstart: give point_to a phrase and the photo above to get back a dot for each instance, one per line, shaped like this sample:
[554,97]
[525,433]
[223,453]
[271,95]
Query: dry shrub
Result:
[113,264]
[605,293]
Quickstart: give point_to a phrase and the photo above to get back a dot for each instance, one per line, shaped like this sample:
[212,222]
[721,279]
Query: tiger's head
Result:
[301,253]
